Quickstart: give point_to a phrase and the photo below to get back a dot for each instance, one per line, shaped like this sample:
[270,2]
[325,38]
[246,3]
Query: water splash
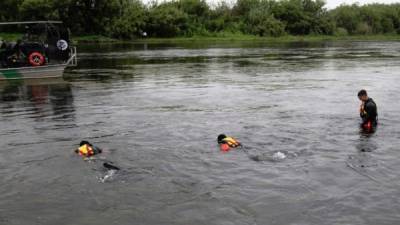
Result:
[108,176]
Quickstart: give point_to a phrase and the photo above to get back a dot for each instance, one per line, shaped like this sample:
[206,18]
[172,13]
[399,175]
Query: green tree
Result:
[38,10]
[304,17]
[132,21]
[88,16]
[371,17]
[194,8]
[347,17]
[243,7]
[128,19]
[260,21]
[166,20]
[198,13]
[9,10]
[222,19]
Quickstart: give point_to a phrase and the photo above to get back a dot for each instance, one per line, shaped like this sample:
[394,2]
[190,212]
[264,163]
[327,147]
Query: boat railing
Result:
[73,59]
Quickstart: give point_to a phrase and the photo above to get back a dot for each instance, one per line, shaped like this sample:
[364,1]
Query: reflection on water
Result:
[156,111]
[37,96]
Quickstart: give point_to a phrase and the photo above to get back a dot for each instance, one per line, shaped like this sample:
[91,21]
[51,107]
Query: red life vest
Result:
[368,125]
[225,147]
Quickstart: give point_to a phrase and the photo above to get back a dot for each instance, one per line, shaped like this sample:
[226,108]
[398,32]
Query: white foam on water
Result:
[108,176]
[278,156]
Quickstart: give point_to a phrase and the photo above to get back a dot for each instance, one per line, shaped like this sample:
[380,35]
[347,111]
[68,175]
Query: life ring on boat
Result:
[36,59]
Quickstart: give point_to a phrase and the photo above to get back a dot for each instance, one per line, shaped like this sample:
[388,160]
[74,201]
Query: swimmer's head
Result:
[84,143]
[362,95]
[221,137]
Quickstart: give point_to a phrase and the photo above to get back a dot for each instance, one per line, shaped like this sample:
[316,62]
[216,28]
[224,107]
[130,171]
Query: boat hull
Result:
[48,71]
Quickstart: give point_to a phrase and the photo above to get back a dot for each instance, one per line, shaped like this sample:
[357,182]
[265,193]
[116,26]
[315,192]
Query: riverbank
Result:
[289,38]
[10,36]
[221,38]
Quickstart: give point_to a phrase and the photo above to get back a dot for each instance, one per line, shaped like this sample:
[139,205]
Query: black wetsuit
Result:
[370,113]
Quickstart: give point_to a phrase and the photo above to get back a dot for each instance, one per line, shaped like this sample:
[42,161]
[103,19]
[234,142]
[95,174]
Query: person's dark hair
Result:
[221,137]
[84,143]
[362,93]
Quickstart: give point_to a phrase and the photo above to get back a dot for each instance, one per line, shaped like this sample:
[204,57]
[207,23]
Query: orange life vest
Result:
[231,142]
[86,150]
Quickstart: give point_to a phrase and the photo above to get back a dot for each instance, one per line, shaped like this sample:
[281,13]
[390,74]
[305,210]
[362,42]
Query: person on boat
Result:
[3,53]
[12,54]
[368,111]
[17,48]
[86,149]
[226,142]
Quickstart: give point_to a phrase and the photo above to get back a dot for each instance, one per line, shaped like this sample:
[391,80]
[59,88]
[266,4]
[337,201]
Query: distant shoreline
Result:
[289,38]
[93,39]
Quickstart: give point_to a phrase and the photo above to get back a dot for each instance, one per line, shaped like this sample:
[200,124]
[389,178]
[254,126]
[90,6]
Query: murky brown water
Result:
[157,110]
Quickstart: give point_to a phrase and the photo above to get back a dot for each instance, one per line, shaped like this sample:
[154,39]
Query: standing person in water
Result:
[368,111]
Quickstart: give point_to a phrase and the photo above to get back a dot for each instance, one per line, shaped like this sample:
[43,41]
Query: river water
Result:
[156,110]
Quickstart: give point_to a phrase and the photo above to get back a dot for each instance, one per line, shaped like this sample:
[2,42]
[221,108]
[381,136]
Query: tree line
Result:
[127,19]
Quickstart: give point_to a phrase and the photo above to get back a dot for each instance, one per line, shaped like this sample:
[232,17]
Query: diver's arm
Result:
[362,110]
[97,149]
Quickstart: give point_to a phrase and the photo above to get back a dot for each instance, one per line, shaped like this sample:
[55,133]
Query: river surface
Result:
[156,110]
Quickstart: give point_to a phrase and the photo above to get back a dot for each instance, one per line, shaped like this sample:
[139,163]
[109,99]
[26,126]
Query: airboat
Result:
[43,51]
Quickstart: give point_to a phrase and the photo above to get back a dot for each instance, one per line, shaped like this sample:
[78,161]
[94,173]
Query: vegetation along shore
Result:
[195,20]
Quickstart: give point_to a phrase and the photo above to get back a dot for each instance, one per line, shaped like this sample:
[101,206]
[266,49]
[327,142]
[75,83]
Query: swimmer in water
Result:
[226,142]
[86,149]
